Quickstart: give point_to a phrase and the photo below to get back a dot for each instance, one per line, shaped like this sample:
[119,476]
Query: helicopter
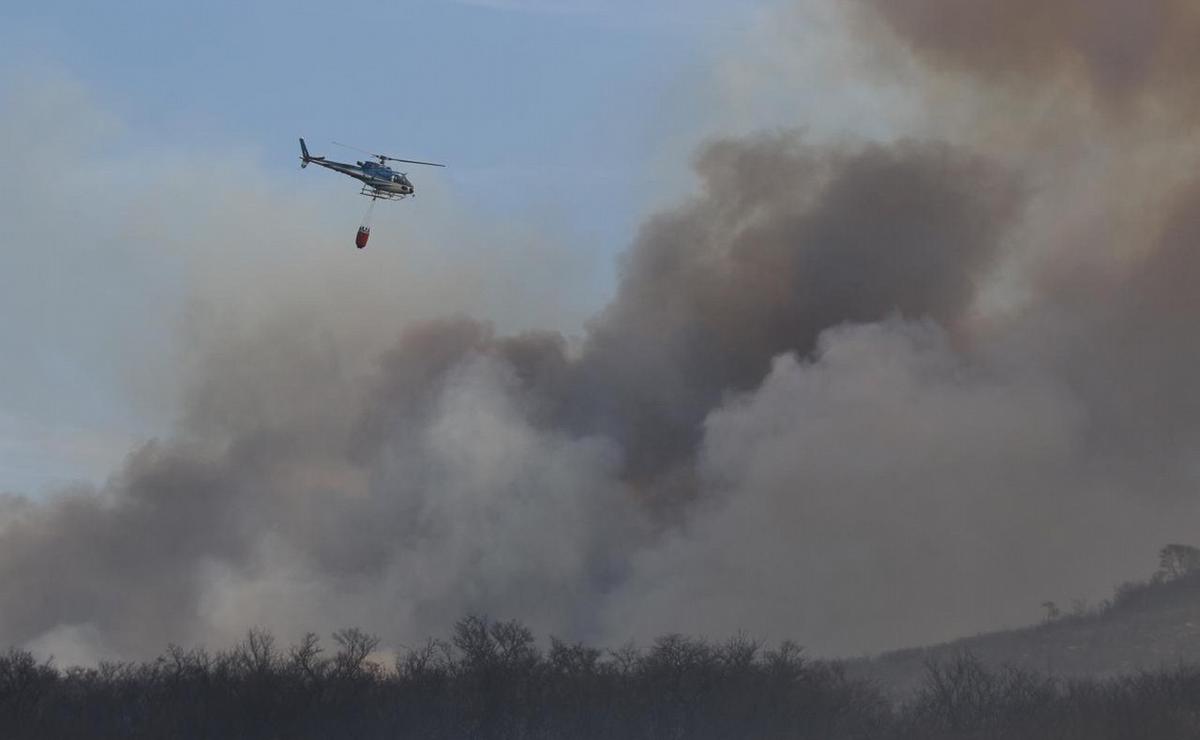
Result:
[378,180]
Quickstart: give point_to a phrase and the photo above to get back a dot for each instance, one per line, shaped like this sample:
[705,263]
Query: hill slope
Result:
[1145,627]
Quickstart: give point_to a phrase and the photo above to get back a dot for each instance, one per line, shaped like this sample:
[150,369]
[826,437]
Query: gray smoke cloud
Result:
[804,413]
[775,250]
[1123,53]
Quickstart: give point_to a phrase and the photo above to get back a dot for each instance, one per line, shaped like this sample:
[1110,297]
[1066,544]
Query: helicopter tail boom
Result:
[305,157]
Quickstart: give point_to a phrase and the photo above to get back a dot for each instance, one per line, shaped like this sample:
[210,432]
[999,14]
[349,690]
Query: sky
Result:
[522,99]
[572,113]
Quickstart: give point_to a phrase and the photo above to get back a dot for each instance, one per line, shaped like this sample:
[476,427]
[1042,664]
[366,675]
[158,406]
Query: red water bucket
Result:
[360,240]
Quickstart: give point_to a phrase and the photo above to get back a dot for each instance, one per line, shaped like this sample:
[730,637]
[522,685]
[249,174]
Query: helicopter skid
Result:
[370,192]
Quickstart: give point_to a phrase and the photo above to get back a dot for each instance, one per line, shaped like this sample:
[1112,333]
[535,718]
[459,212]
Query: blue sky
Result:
[549,104]
[576,115]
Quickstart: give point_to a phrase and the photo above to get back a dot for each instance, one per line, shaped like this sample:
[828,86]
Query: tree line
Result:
[492,680]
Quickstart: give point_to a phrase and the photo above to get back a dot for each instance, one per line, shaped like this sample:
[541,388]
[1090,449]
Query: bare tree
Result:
[354,648]
[1176,561]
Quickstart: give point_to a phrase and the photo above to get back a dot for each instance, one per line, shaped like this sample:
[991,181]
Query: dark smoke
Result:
[1124,52]
[784,242]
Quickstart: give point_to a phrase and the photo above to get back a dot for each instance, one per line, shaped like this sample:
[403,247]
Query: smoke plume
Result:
[1123,53]
[861,394]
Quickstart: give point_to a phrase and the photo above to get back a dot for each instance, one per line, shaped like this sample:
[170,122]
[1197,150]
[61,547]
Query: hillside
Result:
[1145,626]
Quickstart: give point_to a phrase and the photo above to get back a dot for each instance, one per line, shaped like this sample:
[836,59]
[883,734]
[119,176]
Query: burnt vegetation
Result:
[492,680]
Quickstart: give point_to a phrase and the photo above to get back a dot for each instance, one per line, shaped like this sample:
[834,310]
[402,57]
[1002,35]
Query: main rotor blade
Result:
[390,159]
[413,161]
[364,151]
